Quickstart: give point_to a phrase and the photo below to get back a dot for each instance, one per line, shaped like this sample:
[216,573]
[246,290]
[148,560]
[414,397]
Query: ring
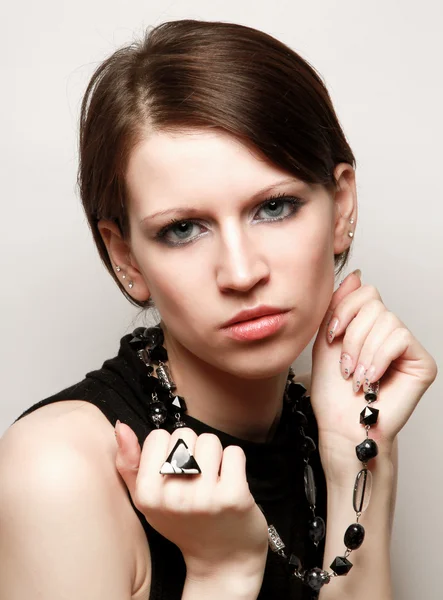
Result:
[180,461]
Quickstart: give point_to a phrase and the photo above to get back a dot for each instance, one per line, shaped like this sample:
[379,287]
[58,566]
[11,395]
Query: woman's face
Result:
[210,241]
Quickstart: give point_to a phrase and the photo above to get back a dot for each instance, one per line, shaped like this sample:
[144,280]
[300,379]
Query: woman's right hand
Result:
[212,517]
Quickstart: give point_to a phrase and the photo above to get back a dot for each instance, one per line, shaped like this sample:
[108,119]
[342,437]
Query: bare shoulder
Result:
[63,503]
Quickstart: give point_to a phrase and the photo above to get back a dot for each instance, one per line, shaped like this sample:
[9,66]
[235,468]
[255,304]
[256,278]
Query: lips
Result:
[253,313]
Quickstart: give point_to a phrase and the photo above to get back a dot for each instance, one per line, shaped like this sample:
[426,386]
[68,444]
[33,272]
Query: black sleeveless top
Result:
[274,473]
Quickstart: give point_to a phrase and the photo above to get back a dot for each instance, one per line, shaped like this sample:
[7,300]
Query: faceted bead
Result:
[157,413]
[296,391]
[354,536]
[158,354]
[164,377]
[366,450]
[362,490]
[295,562]
[179,424]
[316,529]
[369,416]
[341,565]
[310,489]
[178,403]
[316,578]
[300,418]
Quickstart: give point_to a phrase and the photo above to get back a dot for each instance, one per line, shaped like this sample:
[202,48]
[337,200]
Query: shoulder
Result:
[60,488]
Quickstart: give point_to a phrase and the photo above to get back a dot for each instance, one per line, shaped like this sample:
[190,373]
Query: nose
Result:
[241,263]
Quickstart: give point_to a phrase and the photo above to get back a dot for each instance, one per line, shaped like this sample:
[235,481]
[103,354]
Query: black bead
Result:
[341,565]
[300,418]
[158,354]
[316,578]
[307,446]
[354,536]
[157,413]
[369,416]
[178,403]
[295,391]
[316,529]
[295,562]
[366,450]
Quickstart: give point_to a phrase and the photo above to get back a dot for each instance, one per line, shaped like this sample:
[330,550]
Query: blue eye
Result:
[275,208]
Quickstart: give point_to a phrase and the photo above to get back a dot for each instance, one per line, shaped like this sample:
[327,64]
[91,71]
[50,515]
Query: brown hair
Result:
[188,73]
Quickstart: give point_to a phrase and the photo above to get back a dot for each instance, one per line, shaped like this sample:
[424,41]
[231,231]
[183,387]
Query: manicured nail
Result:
[328,316]
[358,377]
[346,364]
[368,377]
[357,272]
[332,329]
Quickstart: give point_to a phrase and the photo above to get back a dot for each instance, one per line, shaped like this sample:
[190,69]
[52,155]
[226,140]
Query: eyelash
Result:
[296,204]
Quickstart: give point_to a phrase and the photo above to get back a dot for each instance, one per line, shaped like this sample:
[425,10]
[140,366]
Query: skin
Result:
[237,260]
[83,516]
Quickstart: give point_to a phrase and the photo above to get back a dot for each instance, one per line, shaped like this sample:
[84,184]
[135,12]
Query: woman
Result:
[219,187]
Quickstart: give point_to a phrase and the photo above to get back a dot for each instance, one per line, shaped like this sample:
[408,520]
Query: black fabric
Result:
[274,471]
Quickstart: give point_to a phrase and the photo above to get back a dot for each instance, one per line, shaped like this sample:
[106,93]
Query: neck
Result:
[249,409]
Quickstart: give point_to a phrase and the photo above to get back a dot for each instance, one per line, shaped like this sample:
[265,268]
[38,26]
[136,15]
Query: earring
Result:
[117,268]
[130,284]
[351,221]
[350,234]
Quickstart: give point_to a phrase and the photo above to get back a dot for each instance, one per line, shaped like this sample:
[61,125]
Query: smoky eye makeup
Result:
[277,207]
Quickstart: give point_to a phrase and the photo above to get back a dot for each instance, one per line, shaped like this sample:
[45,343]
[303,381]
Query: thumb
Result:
[127,459]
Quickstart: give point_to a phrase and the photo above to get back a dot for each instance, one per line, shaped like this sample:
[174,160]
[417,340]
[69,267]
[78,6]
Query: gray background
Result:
[61,315]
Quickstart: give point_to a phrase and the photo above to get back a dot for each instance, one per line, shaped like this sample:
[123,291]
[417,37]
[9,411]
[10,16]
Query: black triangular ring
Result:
[180,461]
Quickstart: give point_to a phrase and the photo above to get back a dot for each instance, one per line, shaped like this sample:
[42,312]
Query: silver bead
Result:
[164,377]
[123,276]
[274,539]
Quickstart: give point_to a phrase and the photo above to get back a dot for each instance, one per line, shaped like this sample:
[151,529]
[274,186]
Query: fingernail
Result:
[117,434]
[368,375]
[345,364]
[358,377]
[328,316]
[332,329]
[357,272]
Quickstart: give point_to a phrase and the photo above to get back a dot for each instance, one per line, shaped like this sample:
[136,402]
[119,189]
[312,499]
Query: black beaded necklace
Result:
[165,407]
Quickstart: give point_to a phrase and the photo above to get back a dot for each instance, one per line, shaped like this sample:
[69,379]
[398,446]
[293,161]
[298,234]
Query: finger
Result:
[127,459]
[355,336]
[149,480]
[392,348]
[349,284]
[233,485]
[384,325]
[348,309]
[208,454]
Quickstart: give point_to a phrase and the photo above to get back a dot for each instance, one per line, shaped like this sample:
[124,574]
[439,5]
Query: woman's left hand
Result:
[370,342]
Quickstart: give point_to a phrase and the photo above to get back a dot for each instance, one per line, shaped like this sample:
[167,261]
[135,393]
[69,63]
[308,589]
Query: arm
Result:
[370,576]
[61,516]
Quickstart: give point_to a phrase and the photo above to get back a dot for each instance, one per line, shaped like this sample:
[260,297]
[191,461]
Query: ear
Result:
[345,200]
[120,254]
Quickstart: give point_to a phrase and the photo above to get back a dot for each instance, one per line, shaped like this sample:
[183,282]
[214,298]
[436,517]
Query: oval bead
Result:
[316,529]
[362,490]
[310,489]
[354,536]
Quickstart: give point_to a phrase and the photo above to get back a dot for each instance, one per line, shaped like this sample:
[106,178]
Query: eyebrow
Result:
[190,211]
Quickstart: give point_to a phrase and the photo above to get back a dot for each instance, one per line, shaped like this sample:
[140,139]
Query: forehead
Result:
[194,166]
